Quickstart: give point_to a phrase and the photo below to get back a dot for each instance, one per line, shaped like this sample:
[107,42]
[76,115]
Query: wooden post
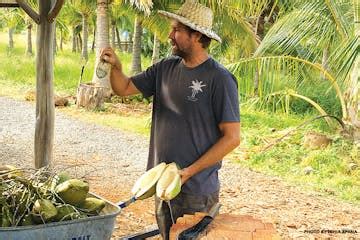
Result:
[45,110]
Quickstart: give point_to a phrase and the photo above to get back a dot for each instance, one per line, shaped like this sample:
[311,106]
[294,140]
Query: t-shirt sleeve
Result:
[225,98]
[145,81]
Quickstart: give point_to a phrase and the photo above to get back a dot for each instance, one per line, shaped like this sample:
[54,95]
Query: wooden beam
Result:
[55,10]
[26,7]
[8,3]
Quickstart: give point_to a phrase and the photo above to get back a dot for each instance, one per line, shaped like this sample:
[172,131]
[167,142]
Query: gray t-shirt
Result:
[188,105]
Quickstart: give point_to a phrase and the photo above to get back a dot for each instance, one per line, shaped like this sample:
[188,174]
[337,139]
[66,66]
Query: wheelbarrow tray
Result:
[90,228]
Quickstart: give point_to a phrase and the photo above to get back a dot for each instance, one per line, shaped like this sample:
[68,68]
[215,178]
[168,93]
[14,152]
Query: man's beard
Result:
[178,52]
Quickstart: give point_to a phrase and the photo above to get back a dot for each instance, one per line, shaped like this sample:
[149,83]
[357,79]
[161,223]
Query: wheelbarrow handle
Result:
[126,203]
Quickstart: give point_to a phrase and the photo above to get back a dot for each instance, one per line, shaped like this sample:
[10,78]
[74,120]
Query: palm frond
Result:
[277,73]
[343,59]
[311,27]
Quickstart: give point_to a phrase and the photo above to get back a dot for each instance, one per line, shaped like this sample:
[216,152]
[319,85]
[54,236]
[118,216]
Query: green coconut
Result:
[43,210]
[73,191]
[93,205]
[66,212]
[145,186]
[61,177]
[169,184]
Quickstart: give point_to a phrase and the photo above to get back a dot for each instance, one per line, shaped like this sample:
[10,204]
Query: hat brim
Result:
[185,21]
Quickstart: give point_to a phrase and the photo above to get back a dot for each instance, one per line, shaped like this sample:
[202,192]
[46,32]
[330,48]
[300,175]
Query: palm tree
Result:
[102,39]
[12,18]
[136,52]
[85,8]
[292,52]
[73,19]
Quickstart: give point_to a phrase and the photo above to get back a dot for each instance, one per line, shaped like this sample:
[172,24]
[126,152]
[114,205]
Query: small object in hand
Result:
[102,69]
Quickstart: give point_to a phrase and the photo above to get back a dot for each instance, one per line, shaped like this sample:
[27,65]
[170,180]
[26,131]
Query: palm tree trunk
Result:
[29,39]
[84,52]
[102,39]
[93,42]
[79,42]
[136,54]
[118,38]
[256,82]
[92,95]
[61,39]
[156,50]
[11,38]
[55,44]
[113,32]
[73,39]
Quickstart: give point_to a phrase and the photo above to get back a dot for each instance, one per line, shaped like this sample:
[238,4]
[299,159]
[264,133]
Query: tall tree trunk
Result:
[92,95]
[55,44]
[44,126]
[256,82]
[118,38]
[136,54]
[29,39]
[79,42]
[85,24]
[93,42]
[352,98]
[61,39]
[73,37]
[11,38]
[113,32]
[102,40]
[156,50]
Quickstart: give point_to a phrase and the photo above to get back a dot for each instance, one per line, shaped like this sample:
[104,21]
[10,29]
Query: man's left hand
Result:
[185,175]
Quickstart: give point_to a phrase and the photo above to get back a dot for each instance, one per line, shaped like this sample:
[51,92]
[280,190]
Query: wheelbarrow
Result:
[92,228]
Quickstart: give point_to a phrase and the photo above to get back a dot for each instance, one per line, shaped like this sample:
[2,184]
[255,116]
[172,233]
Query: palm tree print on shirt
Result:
[196,88]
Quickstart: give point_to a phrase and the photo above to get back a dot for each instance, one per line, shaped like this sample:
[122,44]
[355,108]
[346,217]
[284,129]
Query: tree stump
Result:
[91,96]
[227,226]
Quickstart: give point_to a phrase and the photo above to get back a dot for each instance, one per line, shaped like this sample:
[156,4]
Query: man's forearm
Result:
[119,81]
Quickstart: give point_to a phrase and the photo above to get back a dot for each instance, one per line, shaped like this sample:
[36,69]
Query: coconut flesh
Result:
[169,184]
[145,186]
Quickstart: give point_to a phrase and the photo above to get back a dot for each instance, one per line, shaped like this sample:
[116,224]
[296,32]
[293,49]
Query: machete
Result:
[193,232]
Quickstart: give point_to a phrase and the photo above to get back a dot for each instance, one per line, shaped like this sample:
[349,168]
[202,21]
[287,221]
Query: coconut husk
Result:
[93,205]
[67,212]
[43,210]
[73,191]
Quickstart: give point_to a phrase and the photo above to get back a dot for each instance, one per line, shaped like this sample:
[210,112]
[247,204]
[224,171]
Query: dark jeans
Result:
[182,204]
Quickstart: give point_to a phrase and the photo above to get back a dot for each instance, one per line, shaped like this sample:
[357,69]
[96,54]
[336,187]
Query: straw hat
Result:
[195,16]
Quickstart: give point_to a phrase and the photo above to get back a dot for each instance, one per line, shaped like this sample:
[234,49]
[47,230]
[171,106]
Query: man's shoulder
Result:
[219,69]
[172,60]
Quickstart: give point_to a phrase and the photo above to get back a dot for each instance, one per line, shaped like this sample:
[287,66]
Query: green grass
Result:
[286,159]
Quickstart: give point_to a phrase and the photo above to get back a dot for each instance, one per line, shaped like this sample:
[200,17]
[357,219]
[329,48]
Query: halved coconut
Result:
[145,186]
[169,184]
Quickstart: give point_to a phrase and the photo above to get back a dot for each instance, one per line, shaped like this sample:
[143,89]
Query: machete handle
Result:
[126,203]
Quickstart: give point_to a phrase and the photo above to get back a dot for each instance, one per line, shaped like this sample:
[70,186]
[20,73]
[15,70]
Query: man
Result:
[195,119]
